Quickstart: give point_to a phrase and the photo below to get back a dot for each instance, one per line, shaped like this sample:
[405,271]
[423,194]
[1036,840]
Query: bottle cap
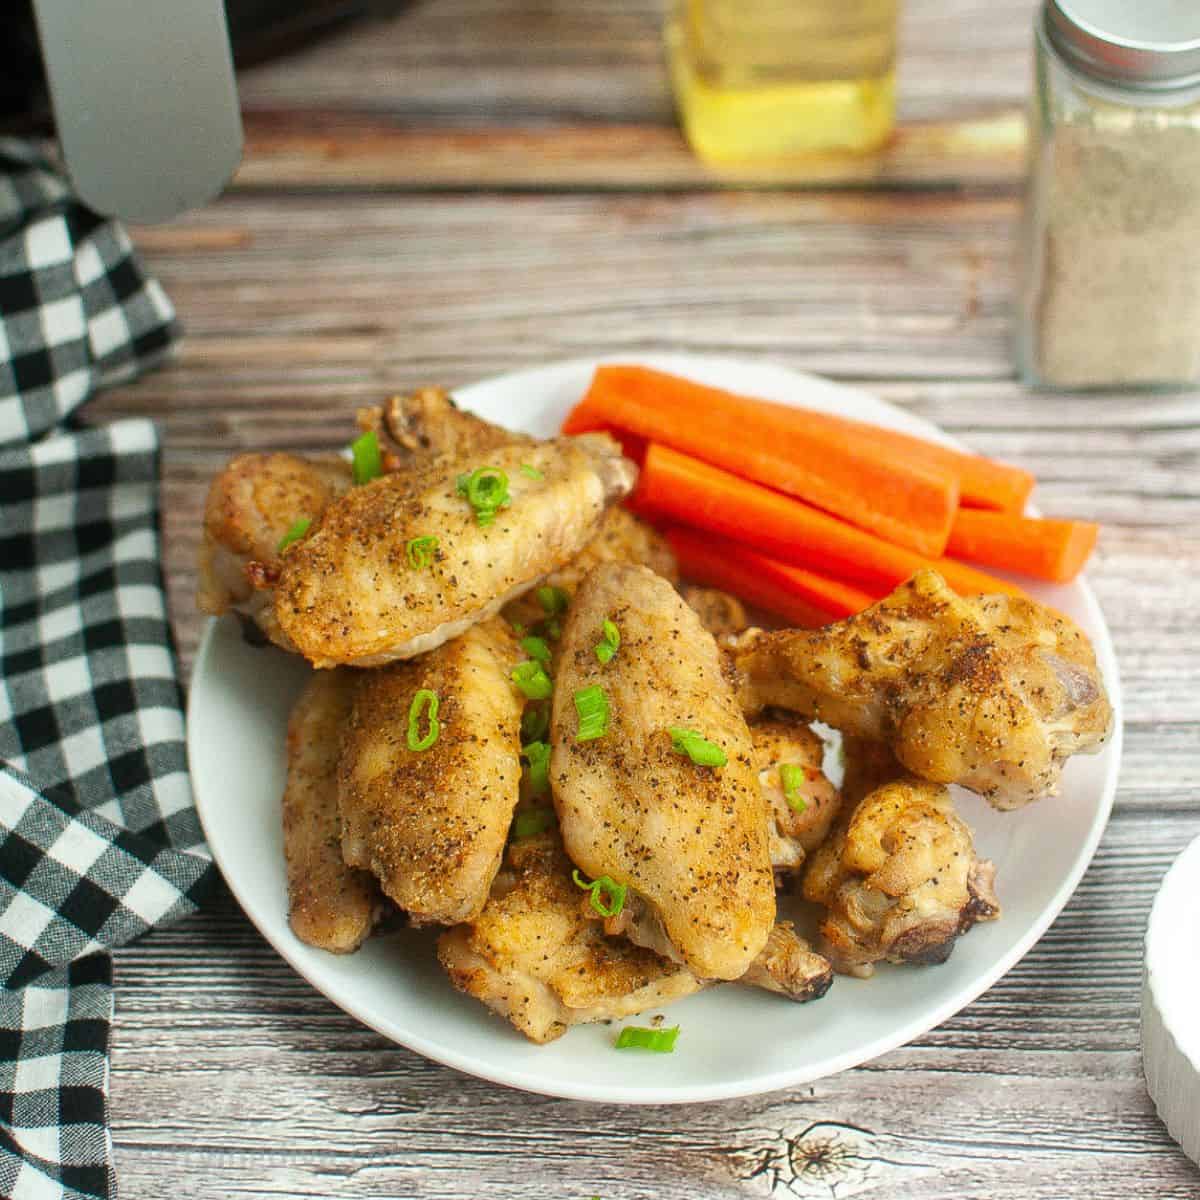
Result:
[1150,44]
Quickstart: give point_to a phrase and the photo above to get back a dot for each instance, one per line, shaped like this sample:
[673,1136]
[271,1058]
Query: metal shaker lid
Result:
[1147,43]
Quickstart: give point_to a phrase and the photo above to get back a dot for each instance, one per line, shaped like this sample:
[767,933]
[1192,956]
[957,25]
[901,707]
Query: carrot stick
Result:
[1038,546]
[800,596]
[679,488]
[910,503]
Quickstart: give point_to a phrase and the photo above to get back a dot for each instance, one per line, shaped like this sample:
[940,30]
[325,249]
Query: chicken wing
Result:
[251,505]
[535,956]
[427,423]
[991,692]
[899,878]
[348,594]
[330,905]
[622,537]
[690,841]
[799,819]
[431,823]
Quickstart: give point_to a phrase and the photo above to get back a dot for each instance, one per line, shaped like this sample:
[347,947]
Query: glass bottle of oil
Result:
[763,80]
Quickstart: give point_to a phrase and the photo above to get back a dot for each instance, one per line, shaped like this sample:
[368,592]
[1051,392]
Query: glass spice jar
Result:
[1109,271]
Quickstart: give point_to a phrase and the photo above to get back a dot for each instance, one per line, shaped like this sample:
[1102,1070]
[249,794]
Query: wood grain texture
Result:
[475,186]
[512,94]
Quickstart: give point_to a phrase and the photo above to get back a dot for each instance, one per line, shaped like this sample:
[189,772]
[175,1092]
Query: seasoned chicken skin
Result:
[431,824]
[990,692]
[794,829]
[330,905]
[720,613]
[899,879]
[537,956]
[689,841]
[251,505]
[622,537]
[427,423]
[348,594]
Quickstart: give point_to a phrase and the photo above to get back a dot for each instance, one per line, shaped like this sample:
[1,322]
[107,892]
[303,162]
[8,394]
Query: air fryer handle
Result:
[145,101]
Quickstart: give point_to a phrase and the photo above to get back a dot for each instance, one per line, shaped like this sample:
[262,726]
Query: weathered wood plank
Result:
[1033,1090]
[509,94]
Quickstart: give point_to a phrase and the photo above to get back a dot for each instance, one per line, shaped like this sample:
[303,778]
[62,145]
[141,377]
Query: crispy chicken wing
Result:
[991,692]
[330,905]
[622,537]
[431,824]
[899,878]
[251,504]
[799,821]
[347,593]
[537,956]
[688,840]
[427,423]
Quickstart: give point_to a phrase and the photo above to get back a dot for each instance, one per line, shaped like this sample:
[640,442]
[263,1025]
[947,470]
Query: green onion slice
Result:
[368,461]
[531,472]
[609,643]
[427,700]
[637,1037]
[552,628]
[607,896]
[486,490]
[553,600]
[535,722]
[792,779]
[698,748]
[533,820]
[536,647]
[537,754]
[421,551]
[296,531]
[530,676]
[591,703]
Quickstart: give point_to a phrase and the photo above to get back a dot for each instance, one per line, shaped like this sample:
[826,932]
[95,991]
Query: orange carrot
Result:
[982,482]
[1038,546]
[802,597]
[679,488]
[910,503]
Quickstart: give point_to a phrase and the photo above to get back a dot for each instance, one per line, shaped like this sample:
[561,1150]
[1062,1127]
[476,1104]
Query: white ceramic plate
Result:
[734,1041]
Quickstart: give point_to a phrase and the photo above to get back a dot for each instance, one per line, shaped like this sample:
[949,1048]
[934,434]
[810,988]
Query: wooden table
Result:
[470,186]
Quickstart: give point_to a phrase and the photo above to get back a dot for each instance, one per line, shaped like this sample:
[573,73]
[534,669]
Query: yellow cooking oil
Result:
[761,80]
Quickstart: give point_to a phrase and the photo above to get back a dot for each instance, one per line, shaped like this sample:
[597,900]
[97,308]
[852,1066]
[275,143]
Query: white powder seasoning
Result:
[1110,262]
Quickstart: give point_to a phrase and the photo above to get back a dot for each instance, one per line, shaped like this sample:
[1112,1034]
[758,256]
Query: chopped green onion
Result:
[610,641]
[636,1037]
[535,722]
[424,699]
[486,490]
[533,820]
[294,533]
[531,472]
[699,749]
[421,552]
[518,629]
[531,678]
[368,461]
[536,647]
[537,754]
[553,600]
[552,628]
[791,777]
[601,888]
[591,703]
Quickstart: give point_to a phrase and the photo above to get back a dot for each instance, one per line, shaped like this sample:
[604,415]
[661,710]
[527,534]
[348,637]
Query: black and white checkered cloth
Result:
[99,841]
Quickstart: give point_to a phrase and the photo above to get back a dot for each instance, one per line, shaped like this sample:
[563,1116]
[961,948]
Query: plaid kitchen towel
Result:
[99,841]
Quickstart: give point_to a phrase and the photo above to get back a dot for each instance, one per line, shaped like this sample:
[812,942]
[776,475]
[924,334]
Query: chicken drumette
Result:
[990,692]
[898,877]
